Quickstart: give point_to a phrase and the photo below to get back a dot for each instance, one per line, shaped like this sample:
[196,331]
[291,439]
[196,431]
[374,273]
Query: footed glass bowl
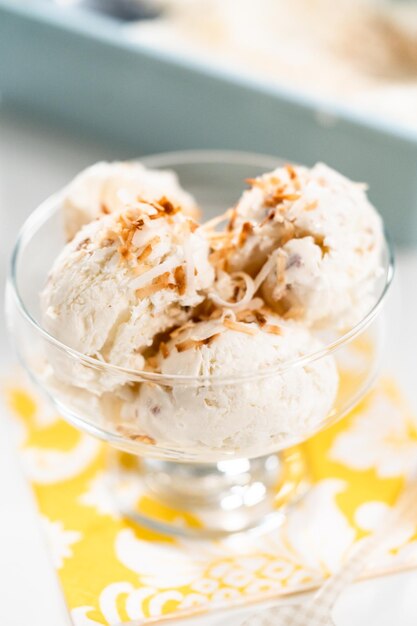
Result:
[224,488]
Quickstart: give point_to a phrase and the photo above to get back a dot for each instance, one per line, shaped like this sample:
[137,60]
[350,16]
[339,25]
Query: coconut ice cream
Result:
[273,402]
[105,188]
[211,332]
[311,240]
[122,280]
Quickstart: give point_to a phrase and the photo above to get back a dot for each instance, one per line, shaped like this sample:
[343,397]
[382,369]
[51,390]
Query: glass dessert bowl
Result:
[223,448]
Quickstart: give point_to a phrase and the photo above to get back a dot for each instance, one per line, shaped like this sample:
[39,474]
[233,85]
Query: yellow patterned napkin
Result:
[113,572]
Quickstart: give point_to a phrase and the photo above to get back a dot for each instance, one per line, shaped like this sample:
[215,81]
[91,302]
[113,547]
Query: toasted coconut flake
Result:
[104,208]
[180,279]
[83,244]
[252,315]
[155,271]
[139,223]
[239,327]
[125,237]
[272,329]
[189,344]
[143,439]
[167,206]
[160,282]
[274,197]
[193,225]
[291,171]
[130,433]
[147,250]
[124,219]
[247,230]
[162,209]
[124,252]
[290,197]
[232,220]
[268,218]
[311,206]
[127,224]
[279,198]
[144,254]
[261,182]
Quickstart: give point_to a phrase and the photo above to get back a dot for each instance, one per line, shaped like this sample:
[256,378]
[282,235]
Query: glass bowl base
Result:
[207,500]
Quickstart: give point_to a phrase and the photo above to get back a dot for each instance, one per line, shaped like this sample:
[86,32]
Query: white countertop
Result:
[35,161]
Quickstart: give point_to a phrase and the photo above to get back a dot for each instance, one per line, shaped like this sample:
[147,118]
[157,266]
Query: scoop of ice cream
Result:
[311,240]
[251,415]
[123,279]
[107,187]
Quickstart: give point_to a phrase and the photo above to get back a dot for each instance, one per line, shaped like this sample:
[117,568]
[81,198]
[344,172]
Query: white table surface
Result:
[35,160]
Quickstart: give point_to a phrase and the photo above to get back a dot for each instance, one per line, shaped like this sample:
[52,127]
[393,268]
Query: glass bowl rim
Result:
[166,160]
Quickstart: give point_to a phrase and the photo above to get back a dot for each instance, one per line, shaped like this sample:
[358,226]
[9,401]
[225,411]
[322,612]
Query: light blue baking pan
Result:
[77,68]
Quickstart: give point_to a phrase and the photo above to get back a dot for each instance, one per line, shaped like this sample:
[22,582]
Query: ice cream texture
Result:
[225,413]
[311,240]
[107,187]
[122,280]
[219,327]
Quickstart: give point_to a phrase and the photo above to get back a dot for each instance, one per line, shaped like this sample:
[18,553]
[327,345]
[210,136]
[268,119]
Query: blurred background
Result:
[306,80]
[334,80]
